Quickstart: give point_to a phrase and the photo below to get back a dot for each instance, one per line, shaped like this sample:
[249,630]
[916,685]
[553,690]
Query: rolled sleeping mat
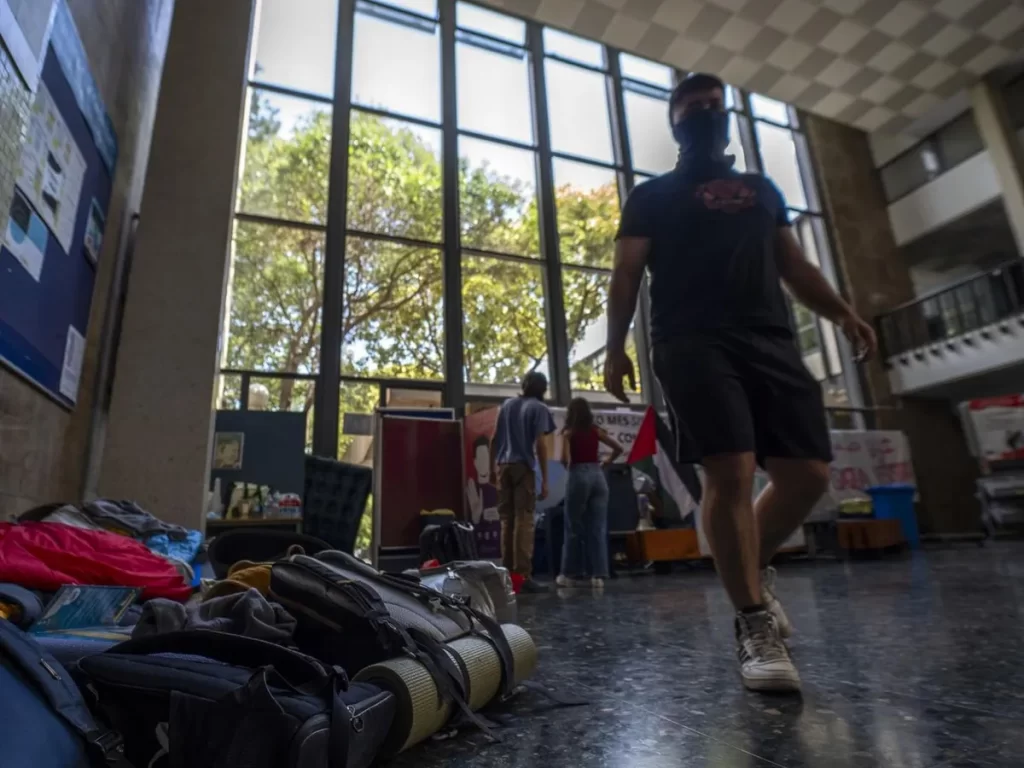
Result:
[421,712]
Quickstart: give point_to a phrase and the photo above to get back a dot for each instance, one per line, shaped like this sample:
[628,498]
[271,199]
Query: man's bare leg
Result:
[730,527]
[796,486]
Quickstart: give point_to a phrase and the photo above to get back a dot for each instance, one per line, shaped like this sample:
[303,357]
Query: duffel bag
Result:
[448,542]
[207,699]
[44,721]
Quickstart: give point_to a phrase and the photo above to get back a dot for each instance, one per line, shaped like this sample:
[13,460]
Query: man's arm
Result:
[809,286]
[630,261]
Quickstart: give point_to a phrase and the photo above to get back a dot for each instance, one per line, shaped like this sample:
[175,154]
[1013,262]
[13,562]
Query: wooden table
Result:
[291,524]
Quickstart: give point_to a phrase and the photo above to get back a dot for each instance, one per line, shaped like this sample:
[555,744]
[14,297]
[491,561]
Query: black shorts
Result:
[741,390]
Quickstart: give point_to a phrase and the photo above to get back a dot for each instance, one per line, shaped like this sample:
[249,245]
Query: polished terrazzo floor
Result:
[912,663]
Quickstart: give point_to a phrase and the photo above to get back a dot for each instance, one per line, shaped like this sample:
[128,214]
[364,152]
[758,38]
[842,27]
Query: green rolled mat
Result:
[420,712]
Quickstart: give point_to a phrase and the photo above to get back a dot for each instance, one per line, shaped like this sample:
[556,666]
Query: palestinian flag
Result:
[653,453]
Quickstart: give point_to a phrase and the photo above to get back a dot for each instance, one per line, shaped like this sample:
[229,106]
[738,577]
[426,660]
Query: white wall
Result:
[959,191]
[943,363]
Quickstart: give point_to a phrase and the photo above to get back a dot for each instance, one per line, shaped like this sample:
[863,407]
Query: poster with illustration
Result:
[481,491]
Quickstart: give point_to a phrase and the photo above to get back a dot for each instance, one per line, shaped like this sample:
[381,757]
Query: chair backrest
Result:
[335,500]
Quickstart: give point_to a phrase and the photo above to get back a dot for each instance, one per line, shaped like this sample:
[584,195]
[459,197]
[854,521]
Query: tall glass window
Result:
[443,196]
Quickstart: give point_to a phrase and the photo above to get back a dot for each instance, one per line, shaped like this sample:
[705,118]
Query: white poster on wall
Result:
[52,168]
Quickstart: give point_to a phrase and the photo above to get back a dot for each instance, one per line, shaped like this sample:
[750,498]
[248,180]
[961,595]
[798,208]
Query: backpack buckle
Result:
[110,745]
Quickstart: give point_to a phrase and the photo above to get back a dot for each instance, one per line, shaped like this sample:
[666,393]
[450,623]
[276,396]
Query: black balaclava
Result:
[703,137]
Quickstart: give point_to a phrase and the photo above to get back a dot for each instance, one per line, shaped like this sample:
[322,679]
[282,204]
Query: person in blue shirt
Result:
[718,247]
[517,447]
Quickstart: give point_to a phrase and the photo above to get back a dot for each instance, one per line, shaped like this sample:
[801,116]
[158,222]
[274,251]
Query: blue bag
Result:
[44,720]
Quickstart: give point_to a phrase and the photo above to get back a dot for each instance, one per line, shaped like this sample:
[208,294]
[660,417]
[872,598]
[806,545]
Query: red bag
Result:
[46,556]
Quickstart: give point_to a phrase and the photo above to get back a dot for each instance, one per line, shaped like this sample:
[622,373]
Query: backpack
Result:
[44,721]
[442,659]
[448,542]
[210,699]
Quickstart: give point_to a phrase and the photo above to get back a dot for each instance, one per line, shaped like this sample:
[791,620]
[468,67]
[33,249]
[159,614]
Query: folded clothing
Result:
[46,556]
[247,613]
[125,517]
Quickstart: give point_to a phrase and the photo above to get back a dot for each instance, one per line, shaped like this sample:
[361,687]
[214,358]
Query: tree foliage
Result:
[392,317]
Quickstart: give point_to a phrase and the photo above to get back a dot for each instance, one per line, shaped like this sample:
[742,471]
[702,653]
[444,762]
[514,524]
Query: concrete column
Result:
[876,278]
[159,436]
[1005,150]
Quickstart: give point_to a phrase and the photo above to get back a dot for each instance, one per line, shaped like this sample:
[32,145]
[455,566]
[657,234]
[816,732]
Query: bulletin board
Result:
[51,238]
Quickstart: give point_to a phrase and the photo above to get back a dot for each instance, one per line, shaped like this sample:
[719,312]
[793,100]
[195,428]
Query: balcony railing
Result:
[971,305]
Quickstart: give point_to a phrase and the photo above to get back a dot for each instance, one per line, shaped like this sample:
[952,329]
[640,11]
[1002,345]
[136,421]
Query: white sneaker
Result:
[771,602]
[564,581]
[764,659]
[597,583]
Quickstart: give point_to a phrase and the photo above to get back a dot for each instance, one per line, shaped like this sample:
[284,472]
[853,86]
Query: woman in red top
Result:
[585,549]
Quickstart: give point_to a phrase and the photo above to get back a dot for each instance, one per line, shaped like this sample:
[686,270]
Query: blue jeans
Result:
[585,550]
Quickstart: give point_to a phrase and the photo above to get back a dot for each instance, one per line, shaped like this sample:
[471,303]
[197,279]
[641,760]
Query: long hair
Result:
[578,417]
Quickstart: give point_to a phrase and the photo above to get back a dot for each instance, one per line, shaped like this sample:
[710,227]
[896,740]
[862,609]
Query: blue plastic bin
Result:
[896,502]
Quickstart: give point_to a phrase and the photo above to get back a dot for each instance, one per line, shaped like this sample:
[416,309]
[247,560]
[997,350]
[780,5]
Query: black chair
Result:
[334,501]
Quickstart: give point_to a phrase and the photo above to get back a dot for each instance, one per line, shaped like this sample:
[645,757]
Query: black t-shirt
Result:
[713,246]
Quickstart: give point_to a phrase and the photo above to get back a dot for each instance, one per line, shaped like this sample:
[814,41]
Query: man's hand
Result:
[862,337]
[543,491]
[618,366]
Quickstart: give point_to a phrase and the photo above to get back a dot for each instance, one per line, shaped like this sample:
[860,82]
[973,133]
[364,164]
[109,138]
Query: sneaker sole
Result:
[773,684]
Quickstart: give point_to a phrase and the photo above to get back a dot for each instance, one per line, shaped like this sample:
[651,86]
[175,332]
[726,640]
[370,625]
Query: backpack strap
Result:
[106,747]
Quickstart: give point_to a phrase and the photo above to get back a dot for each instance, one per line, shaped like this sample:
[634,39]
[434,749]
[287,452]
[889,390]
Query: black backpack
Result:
[210,699]
[448,542]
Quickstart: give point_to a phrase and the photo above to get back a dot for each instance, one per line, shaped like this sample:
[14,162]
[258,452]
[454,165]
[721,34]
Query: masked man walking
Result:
[717,245]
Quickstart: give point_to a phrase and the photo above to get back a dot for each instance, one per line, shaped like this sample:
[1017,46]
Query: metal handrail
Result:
[951,312]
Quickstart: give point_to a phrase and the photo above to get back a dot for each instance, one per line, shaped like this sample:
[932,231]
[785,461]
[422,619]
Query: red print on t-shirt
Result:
[729,195]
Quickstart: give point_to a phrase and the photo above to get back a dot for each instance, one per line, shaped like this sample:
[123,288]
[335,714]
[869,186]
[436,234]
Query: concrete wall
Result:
[158,440]
[43,446]
[877,279]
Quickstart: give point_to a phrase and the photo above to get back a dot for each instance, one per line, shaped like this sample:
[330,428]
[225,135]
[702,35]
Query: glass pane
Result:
[574,48]
[393,311]
[295,44]
[276,299]
[769,109]
[905,174]
[229,392]
[578,111]
[587,201]
[650,139]
[498,198]
[735,147]
[394,184]
[779,155]
[586,301]
[386,53]
[959,141]
[645,70]
[504,329]
[494,93]
[276,394]
[287,158]
[498,25]
[355,435]
[828,335]
[422,7]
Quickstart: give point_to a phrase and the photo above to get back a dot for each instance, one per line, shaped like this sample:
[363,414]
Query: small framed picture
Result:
[228,448]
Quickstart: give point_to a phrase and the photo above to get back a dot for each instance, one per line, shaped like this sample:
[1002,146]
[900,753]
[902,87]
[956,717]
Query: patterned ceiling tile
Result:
[874,64]
[678,14]
[1005,24]
[560,13]
[790,88]
[625,32]
[956,9]
[874,119]
[843,37]
[791,15]
[656,41]
[951,37]
[736,34]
